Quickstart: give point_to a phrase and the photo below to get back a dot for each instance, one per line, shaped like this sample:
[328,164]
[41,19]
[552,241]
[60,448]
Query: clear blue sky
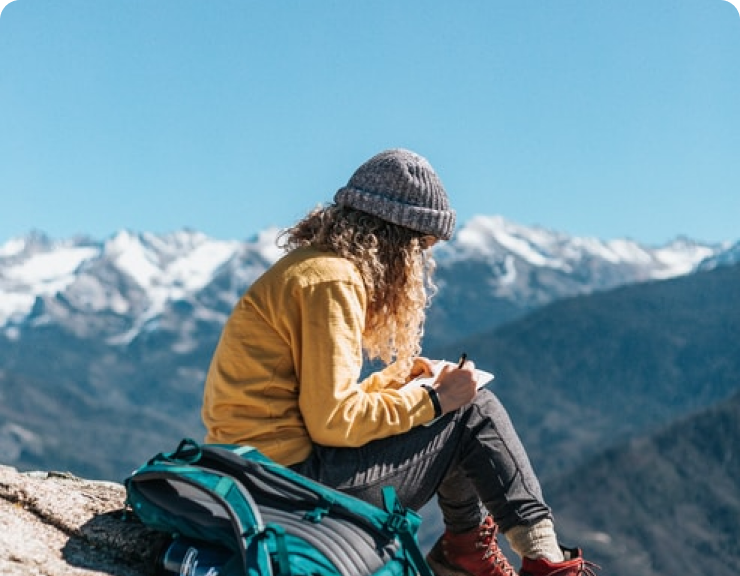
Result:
[595,118]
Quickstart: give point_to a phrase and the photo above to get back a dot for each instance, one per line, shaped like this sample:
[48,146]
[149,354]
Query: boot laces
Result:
[487,539]
[585,568]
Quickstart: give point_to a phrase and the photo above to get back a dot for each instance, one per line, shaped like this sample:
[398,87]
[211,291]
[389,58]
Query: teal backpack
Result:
[271,520]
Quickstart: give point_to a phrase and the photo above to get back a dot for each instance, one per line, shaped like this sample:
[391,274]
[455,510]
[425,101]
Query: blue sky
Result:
[594,118]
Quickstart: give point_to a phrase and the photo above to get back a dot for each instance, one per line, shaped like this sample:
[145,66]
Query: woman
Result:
[285,378]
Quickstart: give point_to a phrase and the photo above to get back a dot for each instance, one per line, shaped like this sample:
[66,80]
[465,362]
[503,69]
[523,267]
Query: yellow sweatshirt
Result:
[285,372]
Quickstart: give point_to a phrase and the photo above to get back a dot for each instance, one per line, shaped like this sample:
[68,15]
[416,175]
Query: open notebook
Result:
[482,378]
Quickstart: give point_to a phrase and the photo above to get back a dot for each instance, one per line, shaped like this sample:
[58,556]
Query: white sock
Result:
[536,541]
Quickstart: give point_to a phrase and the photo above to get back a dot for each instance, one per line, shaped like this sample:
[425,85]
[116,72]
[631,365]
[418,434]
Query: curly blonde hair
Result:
[395,268]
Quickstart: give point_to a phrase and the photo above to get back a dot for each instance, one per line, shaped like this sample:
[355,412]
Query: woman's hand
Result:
[456,387]
[421,367]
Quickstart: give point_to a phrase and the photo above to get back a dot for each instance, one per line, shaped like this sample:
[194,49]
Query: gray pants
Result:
[472,459]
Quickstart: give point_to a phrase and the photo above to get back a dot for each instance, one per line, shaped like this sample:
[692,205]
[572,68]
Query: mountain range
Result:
[598,347]
[121,288]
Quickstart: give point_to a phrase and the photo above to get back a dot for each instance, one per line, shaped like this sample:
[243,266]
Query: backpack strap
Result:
[281,557]
[187,452]
[404,523]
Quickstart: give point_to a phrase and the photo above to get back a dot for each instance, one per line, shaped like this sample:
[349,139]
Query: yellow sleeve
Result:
[336,409]
[381,380]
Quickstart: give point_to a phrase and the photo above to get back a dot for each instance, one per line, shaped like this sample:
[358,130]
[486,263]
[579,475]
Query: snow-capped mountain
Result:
[128,284]
[130,279]
[726,257]
[492,238]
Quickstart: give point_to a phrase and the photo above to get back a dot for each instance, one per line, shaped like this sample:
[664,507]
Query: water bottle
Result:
[185,557]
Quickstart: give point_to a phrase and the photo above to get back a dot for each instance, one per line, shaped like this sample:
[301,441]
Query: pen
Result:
[463,358]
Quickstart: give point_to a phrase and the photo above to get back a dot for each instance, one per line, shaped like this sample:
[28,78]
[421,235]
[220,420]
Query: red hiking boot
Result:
[473,553]
[573,565]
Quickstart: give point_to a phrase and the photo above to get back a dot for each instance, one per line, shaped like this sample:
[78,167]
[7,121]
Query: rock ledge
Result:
[56,524]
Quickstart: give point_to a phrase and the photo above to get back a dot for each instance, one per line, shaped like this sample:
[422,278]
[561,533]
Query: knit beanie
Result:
[401,187]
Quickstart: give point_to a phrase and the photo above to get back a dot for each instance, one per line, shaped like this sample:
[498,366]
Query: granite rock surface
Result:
[56,524]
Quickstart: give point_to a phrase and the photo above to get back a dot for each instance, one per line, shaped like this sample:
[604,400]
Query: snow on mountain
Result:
[128,273]
[726,257]
[32,267]
[128,283]
[495,238]
[167,268]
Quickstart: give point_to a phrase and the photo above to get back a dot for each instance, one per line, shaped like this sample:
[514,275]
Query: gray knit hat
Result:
[401,187]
